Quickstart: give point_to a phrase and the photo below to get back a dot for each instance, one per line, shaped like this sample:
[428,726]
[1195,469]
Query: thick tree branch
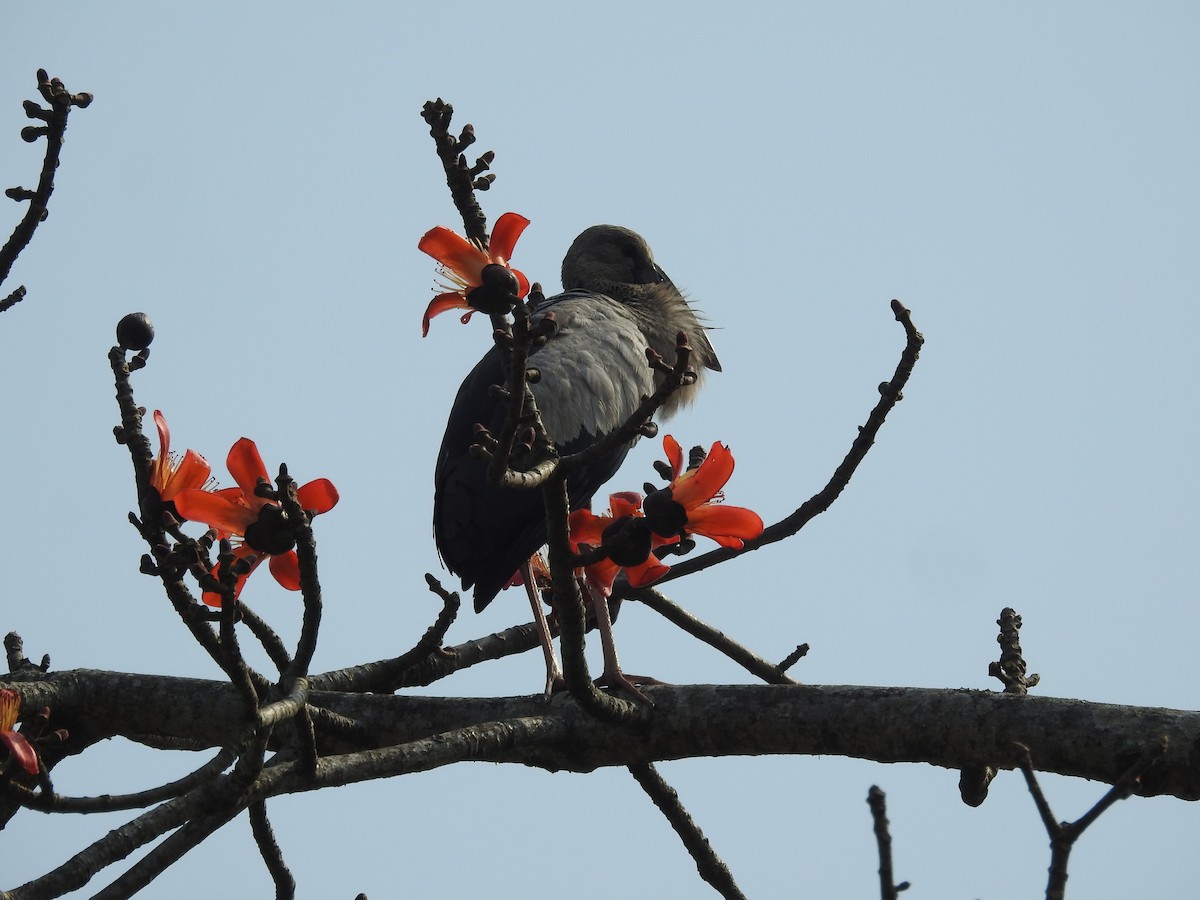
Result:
[948,728]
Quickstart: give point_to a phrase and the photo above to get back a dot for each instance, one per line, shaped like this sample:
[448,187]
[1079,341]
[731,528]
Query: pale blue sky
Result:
[1023,177]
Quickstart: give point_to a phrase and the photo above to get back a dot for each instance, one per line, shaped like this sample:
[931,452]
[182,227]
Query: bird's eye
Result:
[642,268]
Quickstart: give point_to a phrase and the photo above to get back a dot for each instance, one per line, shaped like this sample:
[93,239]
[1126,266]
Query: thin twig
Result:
[677,615]
[140,800]
[166,854]
[387,675]
[310,585]
[232,661]
[710,866]
[61,102]
[268,847]
[267,638]
[514,343]
[1063,835]
[877,801]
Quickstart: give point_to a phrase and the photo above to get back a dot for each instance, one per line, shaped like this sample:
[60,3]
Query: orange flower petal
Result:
[504,236]
[702,484]
[586,527]
[319,496]
[20,750]
[215,510]
[160,469]
[602,575]
[674,454]
[729,526]
[441,303]
[18,745]
[522,282]
[286,569]
[625,503]
[646,573]
[454,252]
[246,466]
[191,473]
[164,433]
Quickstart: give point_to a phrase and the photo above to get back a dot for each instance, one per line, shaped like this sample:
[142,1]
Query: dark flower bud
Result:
[628,541]
[497,291]
[665,517]
[271,533]
[135,331]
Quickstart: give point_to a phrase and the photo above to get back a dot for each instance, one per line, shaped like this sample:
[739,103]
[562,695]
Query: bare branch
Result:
[1063,835]
[877,801]
[718,640]
[61,103]
[710,866]
[140,800]
[387,675]
[268,846]
[1011,667]
[460,178]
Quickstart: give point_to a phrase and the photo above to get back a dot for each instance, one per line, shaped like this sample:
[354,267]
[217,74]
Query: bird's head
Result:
[607,255]
[618,263]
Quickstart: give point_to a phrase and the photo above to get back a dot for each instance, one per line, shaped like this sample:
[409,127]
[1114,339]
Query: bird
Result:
[616,302]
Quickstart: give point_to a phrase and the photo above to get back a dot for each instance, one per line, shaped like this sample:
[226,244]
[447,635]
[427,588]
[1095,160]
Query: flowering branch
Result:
[890,394]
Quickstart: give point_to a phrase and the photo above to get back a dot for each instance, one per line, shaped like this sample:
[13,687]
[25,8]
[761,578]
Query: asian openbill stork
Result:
[616,302]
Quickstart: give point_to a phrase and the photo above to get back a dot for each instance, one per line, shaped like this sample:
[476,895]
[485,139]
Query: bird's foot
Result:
[555,685]
[628,683]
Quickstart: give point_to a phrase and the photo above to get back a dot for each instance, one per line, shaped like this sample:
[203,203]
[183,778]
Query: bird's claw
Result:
[628,683]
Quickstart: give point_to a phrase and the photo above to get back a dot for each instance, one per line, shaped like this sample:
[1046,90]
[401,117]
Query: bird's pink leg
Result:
[613,676]
[554,675]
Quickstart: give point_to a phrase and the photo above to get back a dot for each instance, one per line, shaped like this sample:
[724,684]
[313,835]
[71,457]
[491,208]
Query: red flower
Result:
[259,522]
[634,552]
[19,748]
[463,264]
[168,473]
[690,504]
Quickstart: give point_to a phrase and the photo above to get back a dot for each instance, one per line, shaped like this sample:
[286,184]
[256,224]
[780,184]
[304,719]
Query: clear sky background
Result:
[1023,176]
